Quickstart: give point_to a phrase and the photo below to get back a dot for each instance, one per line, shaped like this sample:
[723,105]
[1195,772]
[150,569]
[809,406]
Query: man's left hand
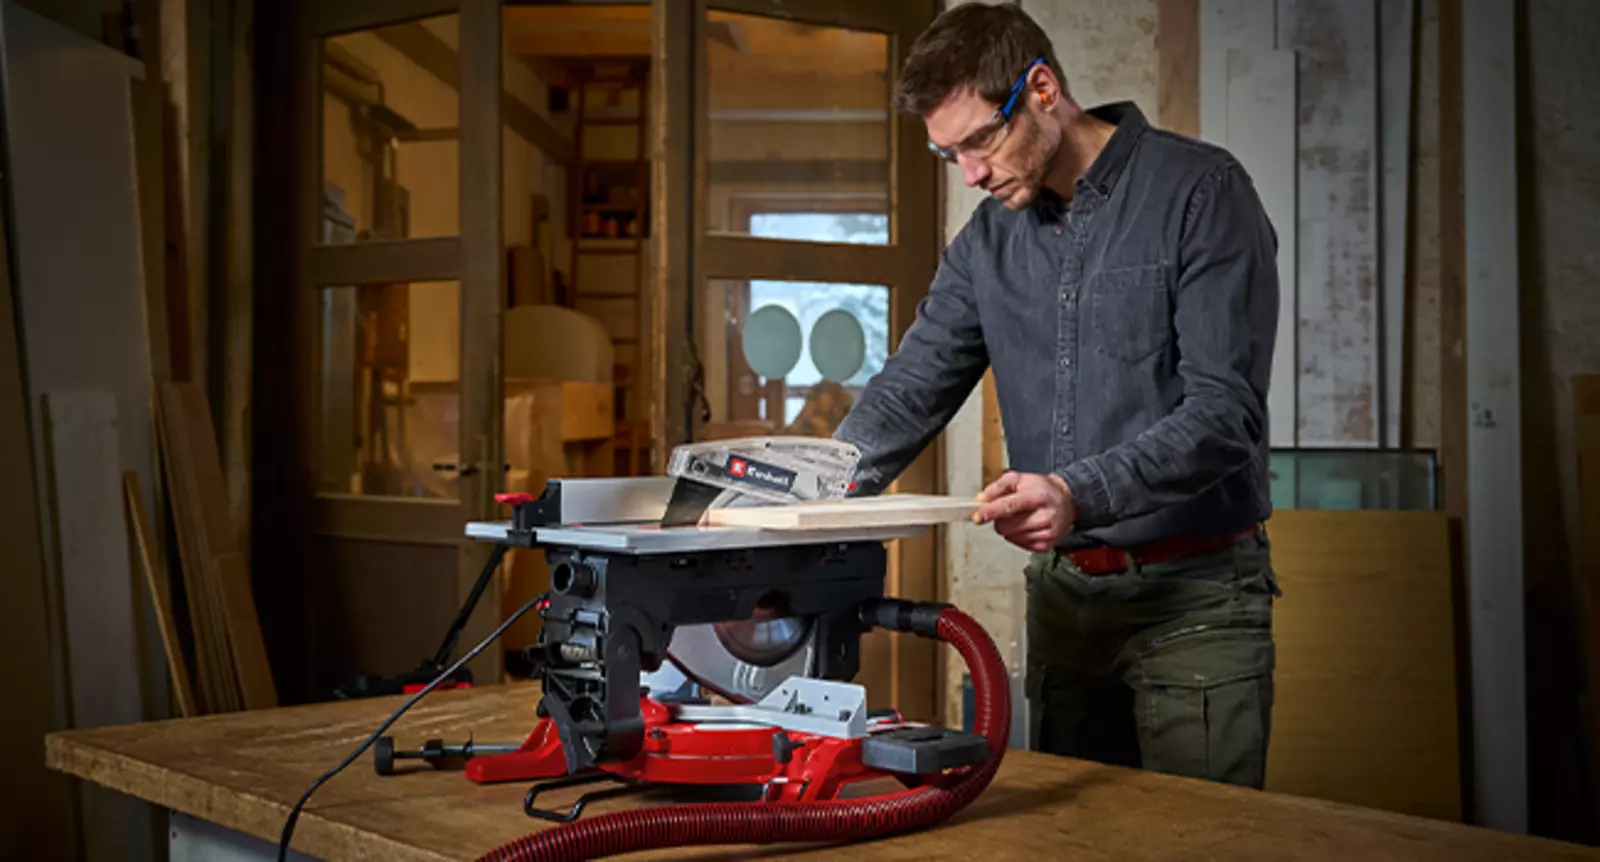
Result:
[1031,511]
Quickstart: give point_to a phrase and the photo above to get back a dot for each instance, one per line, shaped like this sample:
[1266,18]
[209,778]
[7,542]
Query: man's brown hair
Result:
[975,46]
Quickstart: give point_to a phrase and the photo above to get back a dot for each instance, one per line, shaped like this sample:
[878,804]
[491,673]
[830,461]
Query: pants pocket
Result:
[1203,702]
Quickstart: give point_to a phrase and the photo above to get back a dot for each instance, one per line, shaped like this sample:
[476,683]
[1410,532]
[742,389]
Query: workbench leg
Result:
[191,839]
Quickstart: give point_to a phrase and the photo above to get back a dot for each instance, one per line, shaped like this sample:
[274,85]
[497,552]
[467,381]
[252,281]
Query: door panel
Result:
[395,331]
[796,116]
[813,238]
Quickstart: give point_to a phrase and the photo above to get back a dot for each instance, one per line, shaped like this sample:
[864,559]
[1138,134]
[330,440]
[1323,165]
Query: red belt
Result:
[1106,560]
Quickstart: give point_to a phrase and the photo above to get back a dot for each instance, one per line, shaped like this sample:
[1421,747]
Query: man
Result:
[1121,282]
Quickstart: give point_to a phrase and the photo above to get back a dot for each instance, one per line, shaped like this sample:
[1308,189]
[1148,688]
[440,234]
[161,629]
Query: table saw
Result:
[684,644]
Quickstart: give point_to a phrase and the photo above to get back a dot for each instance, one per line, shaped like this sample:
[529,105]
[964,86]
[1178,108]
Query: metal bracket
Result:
[801,704]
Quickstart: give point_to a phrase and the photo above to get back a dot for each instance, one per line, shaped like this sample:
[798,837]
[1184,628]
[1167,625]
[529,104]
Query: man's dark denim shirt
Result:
[1131,334]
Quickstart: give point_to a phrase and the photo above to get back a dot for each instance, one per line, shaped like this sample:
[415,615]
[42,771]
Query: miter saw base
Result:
[805,742]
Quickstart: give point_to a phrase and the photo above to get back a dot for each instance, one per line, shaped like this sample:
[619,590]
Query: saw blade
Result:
[703,654]
[763,643]
[689,502]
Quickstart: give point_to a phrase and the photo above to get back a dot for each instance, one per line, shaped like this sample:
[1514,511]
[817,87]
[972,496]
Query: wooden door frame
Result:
[289,511]
[684,257]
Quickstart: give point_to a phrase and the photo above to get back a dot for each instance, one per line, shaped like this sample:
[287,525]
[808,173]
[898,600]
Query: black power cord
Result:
[294,814]
[373,686]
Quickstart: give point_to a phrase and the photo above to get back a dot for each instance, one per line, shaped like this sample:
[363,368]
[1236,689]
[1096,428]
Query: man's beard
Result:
[1037,154]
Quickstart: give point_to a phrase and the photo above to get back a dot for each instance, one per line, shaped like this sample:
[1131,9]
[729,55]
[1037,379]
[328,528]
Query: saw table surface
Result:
[243,771]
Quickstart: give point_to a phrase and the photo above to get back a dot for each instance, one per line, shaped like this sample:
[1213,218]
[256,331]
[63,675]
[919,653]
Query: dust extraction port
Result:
[572,578]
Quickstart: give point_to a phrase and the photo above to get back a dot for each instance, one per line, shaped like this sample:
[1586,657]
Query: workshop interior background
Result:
[275,303]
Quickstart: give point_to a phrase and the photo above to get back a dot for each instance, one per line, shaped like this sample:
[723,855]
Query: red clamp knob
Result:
[515,498]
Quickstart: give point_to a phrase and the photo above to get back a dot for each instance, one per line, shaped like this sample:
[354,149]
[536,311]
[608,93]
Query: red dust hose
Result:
[833,821]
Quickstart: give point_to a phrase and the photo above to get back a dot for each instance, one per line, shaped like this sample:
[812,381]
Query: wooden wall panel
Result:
[1366,679]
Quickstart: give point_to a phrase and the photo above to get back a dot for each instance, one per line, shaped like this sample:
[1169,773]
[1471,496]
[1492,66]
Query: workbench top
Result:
[244,771]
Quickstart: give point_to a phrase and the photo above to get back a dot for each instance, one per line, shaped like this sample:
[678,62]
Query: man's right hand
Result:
[1030,510]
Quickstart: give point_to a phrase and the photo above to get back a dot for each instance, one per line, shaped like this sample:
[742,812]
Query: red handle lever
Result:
[514,498]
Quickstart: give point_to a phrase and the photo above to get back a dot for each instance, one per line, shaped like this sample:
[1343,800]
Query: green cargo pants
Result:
[1167,667]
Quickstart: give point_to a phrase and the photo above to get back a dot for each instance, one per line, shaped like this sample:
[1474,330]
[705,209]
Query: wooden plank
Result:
[1339,335]
[213,665]
[152,566]
[781,172]
[483,290]
[1260,125]
[422,47]
[96,588]
[725,256]
[666,320]
[1452,268]
[217,543]
[875,17]
[235,323]
[1586,397]
[888,510]
[335,17]
[921,568]
[1494,430]
[994,433]
[1228,25]
[1178,81]
[385,519]
[381,261]
[1396,58]
[1350,723]
[148,139]
[244,771]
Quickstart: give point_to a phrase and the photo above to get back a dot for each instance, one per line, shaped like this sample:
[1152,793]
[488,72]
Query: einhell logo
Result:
[765,475]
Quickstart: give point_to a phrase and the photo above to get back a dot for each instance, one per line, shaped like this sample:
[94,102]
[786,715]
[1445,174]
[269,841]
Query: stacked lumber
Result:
[223,633]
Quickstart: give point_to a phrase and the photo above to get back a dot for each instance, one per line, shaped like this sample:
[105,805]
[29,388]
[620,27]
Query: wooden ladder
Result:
[607,219]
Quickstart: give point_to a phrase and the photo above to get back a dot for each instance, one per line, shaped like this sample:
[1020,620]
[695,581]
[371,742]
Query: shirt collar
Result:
[1130,126]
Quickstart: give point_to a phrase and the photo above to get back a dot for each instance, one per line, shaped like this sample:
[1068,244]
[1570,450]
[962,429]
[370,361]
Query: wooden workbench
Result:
[243,771]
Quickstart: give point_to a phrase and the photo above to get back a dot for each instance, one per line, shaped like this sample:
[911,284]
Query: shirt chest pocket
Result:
[1132,311]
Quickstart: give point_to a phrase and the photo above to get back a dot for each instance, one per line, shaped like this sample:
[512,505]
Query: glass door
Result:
[395,347]
[811,235]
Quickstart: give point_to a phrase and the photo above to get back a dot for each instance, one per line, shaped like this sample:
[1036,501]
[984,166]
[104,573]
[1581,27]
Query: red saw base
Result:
[792,766]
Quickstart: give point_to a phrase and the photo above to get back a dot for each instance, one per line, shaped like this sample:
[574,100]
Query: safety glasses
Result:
[979,142]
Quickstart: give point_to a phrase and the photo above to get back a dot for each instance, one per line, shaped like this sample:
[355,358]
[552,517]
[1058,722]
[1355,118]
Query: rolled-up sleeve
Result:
[1225,317]
[927,378]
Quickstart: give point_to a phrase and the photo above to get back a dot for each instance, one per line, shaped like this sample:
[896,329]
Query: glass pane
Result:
[799,122]
[1342,479]
[390,373]
[390,120]
[787,357]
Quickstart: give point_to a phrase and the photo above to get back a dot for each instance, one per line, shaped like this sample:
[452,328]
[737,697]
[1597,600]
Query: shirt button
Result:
[1066,295]
[1065,362]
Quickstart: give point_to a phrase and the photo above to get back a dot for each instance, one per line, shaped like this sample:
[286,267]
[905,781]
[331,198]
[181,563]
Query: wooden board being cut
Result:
[890,510]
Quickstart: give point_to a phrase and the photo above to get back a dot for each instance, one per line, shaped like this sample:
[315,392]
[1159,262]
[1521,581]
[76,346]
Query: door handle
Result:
[465,469]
